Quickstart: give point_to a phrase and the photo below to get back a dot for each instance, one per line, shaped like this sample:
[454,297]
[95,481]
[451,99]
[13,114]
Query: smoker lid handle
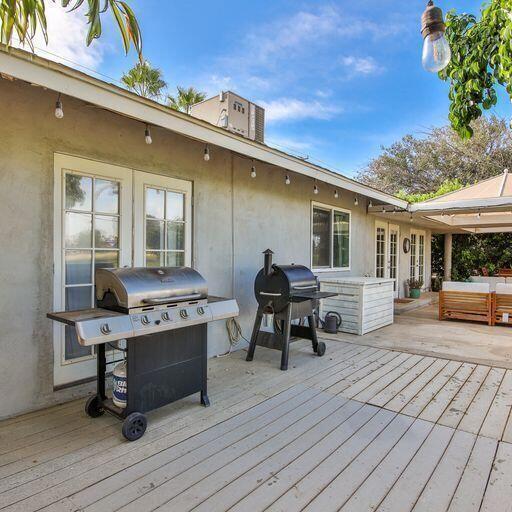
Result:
[269,294]
[162,300]
[306,287]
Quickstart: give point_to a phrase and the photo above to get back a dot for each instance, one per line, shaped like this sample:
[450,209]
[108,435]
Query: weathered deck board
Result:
[361,429]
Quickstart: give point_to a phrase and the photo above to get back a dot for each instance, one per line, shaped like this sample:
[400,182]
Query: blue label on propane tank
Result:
[119,390]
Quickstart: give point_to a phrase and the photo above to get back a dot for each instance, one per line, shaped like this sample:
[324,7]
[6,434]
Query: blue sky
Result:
[338,79]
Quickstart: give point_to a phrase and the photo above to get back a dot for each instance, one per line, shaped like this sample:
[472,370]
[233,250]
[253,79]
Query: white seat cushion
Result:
[504,288]
[456,286]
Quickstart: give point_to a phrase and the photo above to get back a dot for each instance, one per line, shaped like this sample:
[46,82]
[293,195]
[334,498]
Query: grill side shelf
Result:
[72,317]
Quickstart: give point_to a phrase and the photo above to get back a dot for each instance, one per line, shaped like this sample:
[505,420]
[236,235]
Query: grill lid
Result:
[127,288]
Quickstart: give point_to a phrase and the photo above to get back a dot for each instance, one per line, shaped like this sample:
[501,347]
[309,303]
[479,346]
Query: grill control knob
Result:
[165,316]
[200,310]
[105,329]
[184,313]
[144,320]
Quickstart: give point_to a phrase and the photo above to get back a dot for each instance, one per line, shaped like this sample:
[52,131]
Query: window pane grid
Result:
[165,227]
[91,240]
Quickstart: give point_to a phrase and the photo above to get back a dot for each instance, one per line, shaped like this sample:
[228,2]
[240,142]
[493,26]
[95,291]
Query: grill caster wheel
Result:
[320,350]
[134,426]
[93,407]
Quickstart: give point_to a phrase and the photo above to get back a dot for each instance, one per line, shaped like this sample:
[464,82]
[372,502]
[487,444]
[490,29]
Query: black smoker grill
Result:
[288,292]
[163,315]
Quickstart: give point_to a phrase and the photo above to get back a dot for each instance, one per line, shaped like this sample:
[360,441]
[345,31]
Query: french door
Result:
[387,238]
[417,257]
[106,217]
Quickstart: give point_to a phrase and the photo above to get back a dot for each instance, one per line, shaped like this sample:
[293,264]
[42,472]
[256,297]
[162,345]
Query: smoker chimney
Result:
[267,266]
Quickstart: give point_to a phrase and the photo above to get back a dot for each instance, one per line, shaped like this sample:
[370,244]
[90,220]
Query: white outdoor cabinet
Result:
[364,303]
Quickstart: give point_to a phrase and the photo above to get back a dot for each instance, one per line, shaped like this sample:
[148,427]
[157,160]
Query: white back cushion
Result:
[505,289]
[456,286]
[493,281]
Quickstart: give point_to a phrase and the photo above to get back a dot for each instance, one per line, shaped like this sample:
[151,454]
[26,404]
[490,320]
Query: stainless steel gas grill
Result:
[288,292]
[163,315]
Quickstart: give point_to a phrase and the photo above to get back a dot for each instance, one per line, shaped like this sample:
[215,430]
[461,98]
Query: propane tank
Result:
[119,385]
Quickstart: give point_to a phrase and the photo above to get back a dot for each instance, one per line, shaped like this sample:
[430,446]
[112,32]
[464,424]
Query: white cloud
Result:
[292,109]
[361,65]
[67,32]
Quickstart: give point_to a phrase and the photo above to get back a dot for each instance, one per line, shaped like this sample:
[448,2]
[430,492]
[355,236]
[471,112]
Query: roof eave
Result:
[37,70]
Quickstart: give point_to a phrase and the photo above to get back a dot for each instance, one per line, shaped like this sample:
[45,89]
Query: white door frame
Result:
[384,226]
[391,228]
[418,233]
[81,368]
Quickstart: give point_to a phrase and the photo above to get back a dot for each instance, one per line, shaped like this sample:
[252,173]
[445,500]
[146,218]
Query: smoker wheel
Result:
[134,426]
[320,350]
[93,407]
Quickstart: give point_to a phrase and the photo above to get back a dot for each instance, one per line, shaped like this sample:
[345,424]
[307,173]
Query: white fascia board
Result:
[54,76]
[460,206]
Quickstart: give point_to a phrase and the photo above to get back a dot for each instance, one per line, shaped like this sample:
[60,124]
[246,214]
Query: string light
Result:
[336,195]
[411,219]
[287,180]
[356,201]
[315,190]
[253,171]
[370,204]
[383,209]
[206,156]
[147,135]
[394,211]
[59,111]
[478,215]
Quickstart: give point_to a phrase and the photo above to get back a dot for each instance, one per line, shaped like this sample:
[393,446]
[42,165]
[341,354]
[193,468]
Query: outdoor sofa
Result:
[466,301]
[502,304]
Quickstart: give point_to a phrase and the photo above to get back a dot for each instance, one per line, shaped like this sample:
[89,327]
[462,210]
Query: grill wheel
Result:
[134,426]
[93,407]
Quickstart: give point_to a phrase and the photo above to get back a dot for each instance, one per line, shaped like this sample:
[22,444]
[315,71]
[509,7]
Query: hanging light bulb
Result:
[59,111]
[478,215]
[147,135]
[287,180]
[206,156]
[253,172]
[394,211]
[383,209]
[315,190]
[356,201]
[336,195]
[410,218]
[370,204]
[436,50]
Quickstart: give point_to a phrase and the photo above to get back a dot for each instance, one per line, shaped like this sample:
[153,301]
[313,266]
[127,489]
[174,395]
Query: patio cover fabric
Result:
[482,208]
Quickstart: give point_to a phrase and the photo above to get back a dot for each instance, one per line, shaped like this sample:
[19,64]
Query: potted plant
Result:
[415,286]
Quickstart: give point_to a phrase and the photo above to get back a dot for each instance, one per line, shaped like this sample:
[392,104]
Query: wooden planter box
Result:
[364,303]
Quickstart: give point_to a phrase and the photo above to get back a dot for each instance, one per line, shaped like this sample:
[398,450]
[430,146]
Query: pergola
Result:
[482,208]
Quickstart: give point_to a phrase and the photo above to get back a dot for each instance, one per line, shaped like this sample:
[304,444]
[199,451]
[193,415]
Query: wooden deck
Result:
[360,429]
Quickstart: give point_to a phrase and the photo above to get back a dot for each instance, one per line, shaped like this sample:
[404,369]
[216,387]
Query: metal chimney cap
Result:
[432,20]
[268,251]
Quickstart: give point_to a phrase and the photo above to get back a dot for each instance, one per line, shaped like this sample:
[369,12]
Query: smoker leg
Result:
[101,364]
[254,337]
[314,339]
[204,398]
[286,338]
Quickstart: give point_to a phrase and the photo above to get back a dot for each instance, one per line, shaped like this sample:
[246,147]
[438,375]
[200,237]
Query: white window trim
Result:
[418,233]
[332,209]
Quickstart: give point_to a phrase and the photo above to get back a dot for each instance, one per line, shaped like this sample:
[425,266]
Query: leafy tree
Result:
[145,80]
[420,169]
[185,98]
[446,187]
[481,61]
[420,165]
[25,17]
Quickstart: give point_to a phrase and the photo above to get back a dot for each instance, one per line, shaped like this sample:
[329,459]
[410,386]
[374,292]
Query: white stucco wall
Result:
[235,219]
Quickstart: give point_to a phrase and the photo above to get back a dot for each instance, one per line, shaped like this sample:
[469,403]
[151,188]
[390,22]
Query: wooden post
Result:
[448,257]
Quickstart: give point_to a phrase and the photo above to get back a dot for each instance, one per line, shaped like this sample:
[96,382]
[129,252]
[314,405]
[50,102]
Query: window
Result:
[165,228]
[380,263]
[91,241]
[330,238]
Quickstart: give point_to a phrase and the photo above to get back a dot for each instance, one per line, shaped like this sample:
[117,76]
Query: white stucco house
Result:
[85,191]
